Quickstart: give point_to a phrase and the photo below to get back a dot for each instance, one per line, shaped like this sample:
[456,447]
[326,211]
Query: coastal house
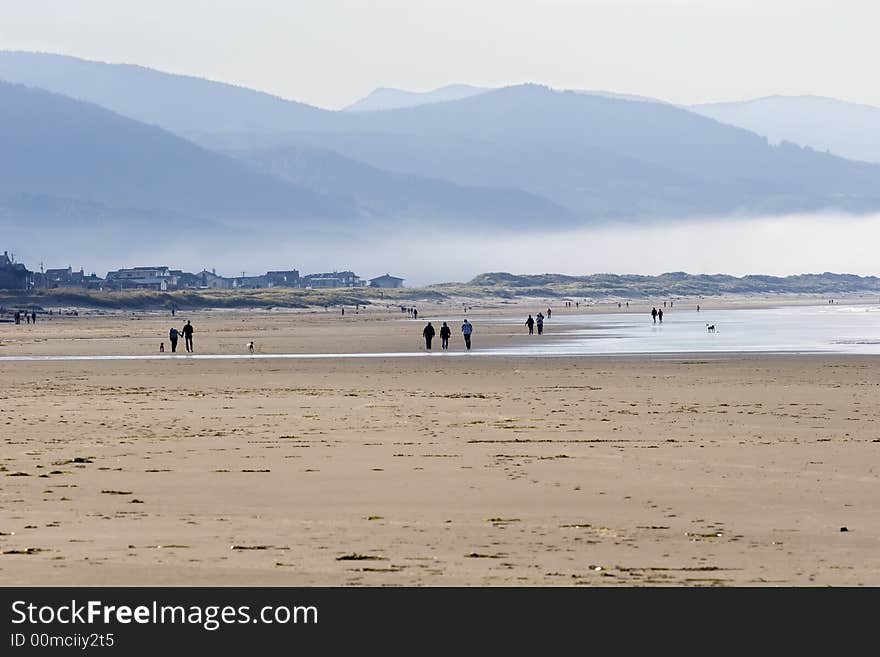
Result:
[14,275]
[386,281]
[250,282]
[210,280]
[53,278]
[288,278]
[328,280]
[159,279]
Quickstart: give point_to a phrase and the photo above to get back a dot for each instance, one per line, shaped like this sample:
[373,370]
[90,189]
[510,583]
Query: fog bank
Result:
[776,246]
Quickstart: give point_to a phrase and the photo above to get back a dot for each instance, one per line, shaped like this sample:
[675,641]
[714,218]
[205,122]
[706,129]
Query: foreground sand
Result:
[738,470]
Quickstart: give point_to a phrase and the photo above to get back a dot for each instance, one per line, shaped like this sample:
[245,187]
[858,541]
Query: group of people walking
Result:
[429,332]
[30,318]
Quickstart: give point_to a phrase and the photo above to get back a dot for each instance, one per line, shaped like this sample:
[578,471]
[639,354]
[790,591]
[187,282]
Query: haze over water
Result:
[824,329]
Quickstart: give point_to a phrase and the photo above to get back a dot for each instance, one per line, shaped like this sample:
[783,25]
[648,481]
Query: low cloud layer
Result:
[777,246]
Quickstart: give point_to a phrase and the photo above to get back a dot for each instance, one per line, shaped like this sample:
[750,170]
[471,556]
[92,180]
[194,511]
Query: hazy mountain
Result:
[384,98]
[57,147]
[64,159]
[527,147]
[602,156]
[379,193]
[181,104]
[846,129]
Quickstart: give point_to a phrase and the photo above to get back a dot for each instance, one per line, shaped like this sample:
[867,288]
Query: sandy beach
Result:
[683,470]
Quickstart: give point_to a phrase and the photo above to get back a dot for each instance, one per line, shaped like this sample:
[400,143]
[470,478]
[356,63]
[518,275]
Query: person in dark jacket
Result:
[173,336]
[445,333]
[188,335]
[531,324]
[428,334]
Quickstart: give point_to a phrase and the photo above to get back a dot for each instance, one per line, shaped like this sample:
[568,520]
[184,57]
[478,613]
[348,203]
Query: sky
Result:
[329,53]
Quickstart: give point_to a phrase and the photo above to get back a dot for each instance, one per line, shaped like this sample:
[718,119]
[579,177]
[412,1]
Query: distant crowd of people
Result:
[29,318]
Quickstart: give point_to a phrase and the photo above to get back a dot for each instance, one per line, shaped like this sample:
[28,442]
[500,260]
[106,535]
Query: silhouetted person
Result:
[428,334]
[549,313]
[17,317]
[466,330]
[173,336]
[445,334]
[415,314]
[188,335]
[531,324]
[343,311]
[698,307]
[539,321]
[33,318]
[660,315]
[654,314]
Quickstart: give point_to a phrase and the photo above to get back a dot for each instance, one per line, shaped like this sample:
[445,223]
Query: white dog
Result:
[250,346]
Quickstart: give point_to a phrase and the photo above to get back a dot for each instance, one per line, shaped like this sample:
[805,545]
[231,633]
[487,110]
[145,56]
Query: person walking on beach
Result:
[445,334]
[415,313]
[428,334]
[188,336]
[466,330]
[549,313]
[654,314]
[34,317]
[539,320]
[173,336]
[531,324]
[660,315]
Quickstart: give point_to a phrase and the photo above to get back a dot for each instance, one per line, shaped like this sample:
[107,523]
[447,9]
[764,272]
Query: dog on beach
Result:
[161,347]
[710,328]
[250,346]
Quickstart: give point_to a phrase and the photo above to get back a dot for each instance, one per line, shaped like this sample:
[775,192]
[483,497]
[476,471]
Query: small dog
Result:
[710,328]
[161,347]
[250,346]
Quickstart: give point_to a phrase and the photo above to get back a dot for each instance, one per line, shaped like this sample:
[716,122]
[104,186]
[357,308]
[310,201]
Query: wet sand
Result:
[733,470]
